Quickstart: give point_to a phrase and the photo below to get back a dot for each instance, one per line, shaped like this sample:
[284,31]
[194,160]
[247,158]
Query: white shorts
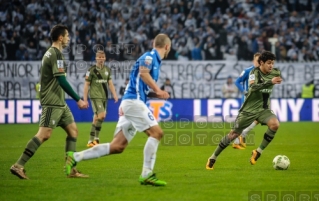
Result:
[136,117]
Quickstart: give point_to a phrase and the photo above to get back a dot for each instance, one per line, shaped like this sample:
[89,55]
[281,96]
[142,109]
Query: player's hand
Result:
[162,94]
[116,99]
[276,80]
[82,104]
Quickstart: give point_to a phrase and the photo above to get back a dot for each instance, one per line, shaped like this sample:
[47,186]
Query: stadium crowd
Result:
[199,29]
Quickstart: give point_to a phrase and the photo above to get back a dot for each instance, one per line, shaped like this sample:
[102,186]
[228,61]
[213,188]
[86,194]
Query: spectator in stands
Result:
[242,26]
[229,89]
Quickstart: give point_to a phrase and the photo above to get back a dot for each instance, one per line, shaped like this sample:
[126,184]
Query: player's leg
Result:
[237,142]
[92,132]
[241,122]
[101,113]
[143,120]
[270,119]
[249,128]
[95,108]
[49,118]
[123,134]
[68,124]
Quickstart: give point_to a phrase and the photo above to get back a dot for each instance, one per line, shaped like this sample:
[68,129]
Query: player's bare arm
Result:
[86,91]
[147,79]
[112,89]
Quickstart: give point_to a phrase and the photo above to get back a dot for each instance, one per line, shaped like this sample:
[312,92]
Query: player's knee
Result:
[117,149]
[44,134]
[273,124]
[101,118]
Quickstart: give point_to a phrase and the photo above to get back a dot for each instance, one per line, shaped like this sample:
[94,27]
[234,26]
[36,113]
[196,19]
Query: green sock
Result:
[30,149]
[98,128]
[225,141]
[268,136]
[70,144]
[92,133]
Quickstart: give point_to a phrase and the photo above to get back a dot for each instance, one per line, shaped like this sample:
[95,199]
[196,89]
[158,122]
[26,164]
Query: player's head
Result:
[266,61]
[100,57]
[256,57]
[59,33]
[162,42]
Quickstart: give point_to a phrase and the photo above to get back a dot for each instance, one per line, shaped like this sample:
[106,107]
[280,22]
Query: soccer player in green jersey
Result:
[55,111]
[96,79]
[256,107]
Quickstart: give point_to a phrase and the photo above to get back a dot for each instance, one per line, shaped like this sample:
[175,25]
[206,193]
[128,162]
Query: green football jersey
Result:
[258,97]
[97,78]
[53,65]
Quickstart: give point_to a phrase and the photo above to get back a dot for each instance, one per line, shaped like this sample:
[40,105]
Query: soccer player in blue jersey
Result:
[134,114]
[242,84]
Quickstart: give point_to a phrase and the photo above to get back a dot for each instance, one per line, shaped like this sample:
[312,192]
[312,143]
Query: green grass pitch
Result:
[183,167]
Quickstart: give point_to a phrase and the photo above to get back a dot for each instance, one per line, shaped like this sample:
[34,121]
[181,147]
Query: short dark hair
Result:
[265,56]
[57,31]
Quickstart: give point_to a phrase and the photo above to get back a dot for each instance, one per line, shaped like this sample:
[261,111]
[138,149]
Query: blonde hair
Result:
[100,52]
[161,40]
[257,54]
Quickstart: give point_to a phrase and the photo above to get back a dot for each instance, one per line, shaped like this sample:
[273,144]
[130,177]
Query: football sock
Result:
[225,141]
[249,128]
[150,150]
[94,152]
[92,133]
[268,136]
[98,128]
[70,144]
[30,149]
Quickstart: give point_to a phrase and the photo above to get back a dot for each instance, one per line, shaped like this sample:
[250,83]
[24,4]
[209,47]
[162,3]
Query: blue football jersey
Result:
[242,81]
[136,88]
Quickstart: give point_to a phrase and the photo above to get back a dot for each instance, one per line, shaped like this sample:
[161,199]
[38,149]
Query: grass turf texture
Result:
[183,167]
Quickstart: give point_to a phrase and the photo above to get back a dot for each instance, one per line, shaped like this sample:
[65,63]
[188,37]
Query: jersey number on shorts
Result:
[150,116]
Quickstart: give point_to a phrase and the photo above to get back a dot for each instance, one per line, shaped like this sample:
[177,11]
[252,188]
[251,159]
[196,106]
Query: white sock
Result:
[246,130]
[236,141]
[150,150]
[259,150]
[95,152]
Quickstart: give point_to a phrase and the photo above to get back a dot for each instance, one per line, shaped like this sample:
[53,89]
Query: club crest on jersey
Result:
[106,73]
[148,60]
[60,64]
[251,77]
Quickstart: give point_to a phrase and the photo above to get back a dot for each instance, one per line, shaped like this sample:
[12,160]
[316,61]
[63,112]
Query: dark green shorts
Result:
[244,119]
[56,116]
[98,105]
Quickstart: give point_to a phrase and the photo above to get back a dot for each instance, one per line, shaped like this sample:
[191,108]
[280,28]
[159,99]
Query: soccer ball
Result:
[281,162]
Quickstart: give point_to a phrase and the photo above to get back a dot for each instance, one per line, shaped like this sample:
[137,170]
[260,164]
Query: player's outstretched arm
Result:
[68,89]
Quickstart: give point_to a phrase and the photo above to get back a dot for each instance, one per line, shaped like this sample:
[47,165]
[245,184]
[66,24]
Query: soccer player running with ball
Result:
[134,114]
[242,84]
[55,111]
[256,107]
[96,79]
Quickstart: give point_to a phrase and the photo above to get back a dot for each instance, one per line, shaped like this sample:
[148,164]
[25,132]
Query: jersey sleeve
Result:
[146,61]
[57,64]
[88,75]
[240,80]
